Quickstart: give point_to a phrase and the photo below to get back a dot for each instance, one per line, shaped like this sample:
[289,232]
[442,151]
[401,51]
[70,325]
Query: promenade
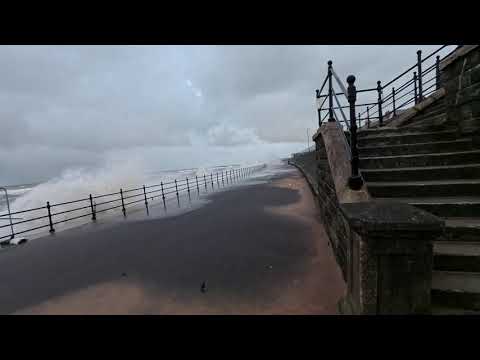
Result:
[258,248]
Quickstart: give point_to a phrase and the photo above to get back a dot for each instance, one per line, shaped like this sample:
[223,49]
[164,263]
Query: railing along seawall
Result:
[47,217]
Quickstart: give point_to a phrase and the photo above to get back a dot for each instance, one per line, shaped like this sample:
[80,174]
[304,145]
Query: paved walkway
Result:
[259,248]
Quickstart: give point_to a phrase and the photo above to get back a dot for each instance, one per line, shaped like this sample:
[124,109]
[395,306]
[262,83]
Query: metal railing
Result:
[381,103]
[46,217]
[410,87]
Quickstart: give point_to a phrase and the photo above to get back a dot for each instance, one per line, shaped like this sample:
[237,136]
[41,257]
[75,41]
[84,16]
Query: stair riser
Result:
[406,139]
[462,234]
[416,149]
[423,174]
[420,160]
[424,190]
[451,210]
[456,263]
[424,122]
[469,301]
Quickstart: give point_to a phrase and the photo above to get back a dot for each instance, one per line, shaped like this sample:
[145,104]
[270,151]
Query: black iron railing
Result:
[409,88]
[381,102]
[50,215]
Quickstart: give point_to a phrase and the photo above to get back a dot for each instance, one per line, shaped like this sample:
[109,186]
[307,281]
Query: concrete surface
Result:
[260,249]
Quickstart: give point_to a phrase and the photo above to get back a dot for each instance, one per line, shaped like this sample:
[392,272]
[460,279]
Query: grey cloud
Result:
[63,106]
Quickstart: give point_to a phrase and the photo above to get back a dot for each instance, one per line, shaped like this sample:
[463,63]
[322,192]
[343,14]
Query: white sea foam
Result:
[78,183]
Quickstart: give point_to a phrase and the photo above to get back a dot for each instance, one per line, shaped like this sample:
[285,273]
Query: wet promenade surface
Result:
[259,248]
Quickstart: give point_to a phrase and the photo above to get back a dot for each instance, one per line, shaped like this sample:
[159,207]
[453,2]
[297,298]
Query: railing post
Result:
[163,196]
[176,191]
[415,87]
[145,196]
[393,98]
[94,215]
[188,190]
[419,68]
[368,117]
[223,182]
[52,230]
[437,72]
[198,188]
[319,110]
[218,183]
[359,120]
[123,203]
[355,181]
[211,179]
[330,93]
[205,182]
[380,112]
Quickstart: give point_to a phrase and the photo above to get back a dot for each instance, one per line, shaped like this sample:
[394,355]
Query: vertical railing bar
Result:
[415,87]
[94,215]
[123,203]
[146,201]
[380,111]
[393,99]
[176,191]
[163,197]
[52,230]
[437,72]
[330,92]
[419,66]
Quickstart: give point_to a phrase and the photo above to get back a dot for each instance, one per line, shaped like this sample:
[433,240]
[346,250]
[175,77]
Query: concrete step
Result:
[470,171]
[432,159]
[456,290]
[432,188]
[464,144]
[441,310]
[397,136]
[462,229]
[446,207]
[441,111]
[456,256]
[429,123]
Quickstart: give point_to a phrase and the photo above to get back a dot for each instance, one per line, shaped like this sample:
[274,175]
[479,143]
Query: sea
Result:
[75,184]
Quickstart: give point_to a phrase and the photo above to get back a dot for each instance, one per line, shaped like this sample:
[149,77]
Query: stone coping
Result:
[387,216]
[465,49]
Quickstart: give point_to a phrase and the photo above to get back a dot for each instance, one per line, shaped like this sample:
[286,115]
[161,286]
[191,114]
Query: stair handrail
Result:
[373,112]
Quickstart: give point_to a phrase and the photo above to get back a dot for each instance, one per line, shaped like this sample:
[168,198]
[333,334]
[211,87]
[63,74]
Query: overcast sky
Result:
[171,106]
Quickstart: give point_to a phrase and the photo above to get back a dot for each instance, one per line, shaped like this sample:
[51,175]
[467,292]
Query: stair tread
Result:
[425,183]
[461,140]
[413,168]
[456,281]
[438,310]
[421,155]
[401,132]
[456,248]
[470,222]
[435,200]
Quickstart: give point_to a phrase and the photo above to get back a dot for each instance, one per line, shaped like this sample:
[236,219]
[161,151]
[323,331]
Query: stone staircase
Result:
[427,164]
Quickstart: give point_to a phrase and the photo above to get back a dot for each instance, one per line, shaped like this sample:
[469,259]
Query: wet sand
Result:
[259,248]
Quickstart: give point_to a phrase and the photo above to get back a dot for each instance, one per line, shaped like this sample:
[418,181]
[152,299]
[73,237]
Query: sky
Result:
[168,107]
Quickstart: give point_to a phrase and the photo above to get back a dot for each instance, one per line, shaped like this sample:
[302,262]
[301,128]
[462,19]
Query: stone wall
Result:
[460,76]
[384,249]
[315,167]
